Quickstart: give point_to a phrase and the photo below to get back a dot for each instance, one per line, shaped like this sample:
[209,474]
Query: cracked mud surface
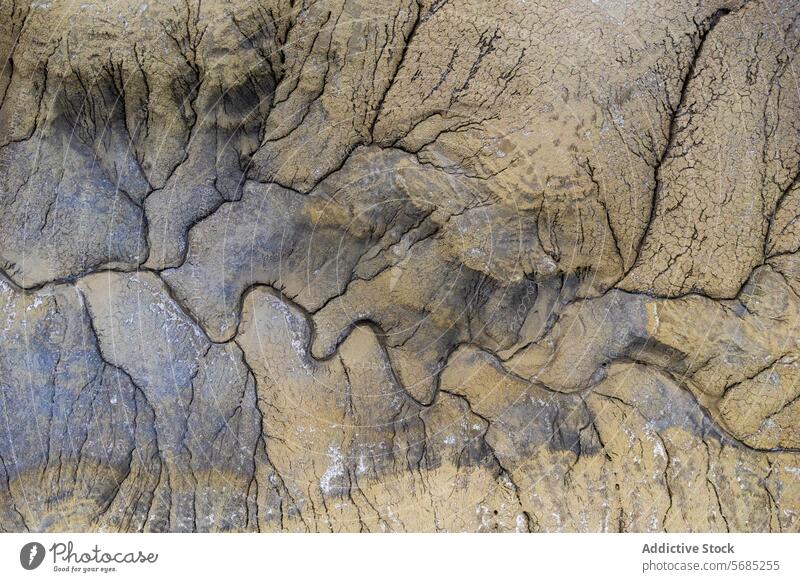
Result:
[400,265]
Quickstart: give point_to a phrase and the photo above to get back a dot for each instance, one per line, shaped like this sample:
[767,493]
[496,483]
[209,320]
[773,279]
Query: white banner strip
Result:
[407,557]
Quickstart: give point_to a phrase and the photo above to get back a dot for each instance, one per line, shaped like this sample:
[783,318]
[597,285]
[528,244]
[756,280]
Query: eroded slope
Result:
[399,266]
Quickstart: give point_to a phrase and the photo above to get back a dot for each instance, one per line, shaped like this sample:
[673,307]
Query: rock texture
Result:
[400,265]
